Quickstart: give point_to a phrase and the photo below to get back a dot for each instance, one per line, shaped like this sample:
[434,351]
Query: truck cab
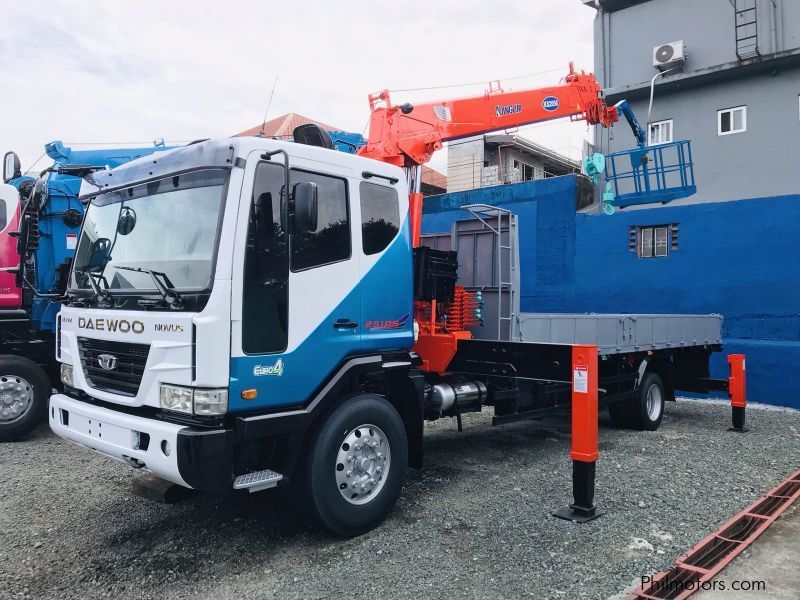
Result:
[225,298]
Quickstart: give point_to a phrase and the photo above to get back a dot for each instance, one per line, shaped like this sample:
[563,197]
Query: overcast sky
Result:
[120,72]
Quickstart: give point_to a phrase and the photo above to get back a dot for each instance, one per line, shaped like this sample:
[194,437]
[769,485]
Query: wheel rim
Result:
[362,464]
[16,398]
[654,402]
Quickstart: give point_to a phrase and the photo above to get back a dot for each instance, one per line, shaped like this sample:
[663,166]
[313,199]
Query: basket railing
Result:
[652,174]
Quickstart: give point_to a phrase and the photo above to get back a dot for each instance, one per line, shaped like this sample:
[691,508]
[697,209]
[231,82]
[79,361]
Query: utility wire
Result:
[366,125]
[456,85]
[34,163]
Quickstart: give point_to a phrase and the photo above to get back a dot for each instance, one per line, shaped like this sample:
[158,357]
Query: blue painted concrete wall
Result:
[740,259]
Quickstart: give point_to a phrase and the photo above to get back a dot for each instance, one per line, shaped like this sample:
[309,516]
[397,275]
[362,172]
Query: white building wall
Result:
[465,164]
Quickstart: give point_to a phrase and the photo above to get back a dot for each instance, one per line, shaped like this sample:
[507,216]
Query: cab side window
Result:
[380,216]
[330,242]
[265,310]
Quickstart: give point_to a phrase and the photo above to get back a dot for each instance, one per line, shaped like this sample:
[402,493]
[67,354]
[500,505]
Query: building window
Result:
[732,120]
[526,172]
[660,133]
[380,216]
[656,241]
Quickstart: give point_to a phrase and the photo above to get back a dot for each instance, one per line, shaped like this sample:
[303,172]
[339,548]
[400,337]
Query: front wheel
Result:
[357,465]
[24,393]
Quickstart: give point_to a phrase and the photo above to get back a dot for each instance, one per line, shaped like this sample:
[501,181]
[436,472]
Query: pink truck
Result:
[10,294]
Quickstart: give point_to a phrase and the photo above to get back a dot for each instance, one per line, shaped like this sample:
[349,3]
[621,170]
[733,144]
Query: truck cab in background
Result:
[10,293]
[40,217]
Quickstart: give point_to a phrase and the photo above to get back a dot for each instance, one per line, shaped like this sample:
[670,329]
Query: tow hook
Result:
[134,462]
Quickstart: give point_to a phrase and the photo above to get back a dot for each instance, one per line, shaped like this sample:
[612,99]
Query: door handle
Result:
[344,324]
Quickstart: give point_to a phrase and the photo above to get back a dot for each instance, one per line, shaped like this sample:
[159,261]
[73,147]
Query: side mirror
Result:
[304,217]
[126,221]
[12,168]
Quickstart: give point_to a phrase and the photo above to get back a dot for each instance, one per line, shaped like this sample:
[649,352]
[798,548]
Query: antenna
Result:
[271,94]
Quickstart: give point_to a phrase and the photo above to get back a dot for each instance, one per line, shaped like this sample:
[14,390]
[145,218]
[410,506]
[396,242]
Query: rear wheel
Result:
[357,465]
[24,393]
[646,410]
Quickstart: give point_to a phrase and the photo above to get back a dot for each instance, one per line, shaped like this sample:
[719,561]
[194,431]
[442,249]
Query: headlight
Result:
[210,402]
[188,400]
[66,375]
[177,398]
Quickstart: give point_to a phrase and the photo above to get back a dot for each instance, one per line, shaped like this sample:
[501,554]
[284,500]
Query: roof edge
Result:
[613,5]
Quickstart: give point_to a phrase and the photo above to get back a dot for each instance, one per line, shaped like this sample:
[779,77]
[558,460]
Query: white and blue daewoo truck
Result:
[247,312]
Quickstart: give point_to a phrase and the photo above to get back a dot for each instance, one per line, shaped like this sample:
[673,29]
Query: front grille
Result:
[125,377]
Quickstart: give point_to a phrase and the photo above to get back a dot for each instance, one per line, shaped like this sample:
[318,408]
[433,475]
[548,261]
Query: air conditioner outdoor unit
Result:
[668,56]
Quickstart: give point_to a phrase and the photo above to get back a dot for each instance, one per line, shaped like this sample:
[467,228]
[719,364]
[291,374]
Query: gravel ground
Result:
[474,523]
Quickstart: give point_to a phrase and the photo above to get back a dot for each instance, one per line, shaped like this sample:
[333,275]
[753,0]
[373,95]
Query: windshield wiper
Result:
[101,296]
[166,289]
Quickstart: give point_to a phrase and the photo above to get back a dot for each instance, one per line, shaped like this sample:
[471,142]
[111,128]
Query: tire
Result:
[646,410]
[338,460]
[24,396]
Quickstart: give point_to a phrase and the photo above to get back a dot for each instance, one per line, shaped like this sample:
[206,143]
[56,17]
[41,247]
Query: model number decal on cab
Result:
[387,325]
[168,327]
[276,369]
[112,325]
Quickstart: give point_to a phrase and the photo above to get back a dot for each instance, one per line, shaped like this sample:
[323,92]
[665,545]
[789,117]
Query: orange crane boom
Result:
[407,135]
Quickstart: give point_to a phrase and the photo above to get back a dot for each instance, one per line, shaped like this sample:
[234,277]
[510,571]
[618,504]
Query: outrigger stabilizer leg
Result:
[737,384]
[584,435]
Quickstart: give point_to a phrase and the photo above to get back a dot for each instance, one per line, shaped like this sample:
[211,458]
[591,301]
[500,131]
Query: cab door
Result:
[386,266]
[299,307]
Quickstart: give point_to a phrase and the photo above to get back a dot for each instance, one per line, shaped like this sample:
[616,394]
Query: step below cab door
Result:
[296,297]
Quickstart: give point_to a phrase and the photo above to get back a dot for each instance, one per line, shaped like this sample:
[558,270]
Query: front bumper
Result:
[193,458]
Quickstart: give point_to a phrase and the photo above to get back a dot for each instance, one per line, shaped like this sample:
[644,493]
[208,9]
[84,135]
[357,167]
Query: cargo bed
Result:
[620,333]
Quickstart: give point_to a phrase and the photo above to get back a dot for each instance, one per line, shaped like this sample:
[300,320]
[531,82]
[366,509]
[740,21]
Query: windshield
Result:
[168,226]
